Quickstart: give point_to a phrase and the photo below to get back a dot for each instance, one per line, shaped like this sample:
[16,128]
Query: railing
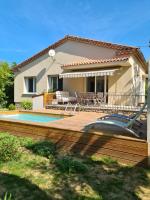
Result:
[125,99]
[111,101]
[113,98]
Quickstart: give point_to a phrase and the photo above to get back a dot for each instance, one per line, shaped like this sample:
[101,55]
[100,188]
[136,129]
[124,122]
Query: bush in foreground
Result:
[9,148]
[11,107]
[67,164]
[43,148]
[26,105]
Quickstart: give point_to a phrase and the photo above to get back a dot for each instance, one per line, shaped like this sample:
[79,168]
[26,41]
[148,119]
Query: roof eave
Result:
[97,65]
[141,58]
[71,38]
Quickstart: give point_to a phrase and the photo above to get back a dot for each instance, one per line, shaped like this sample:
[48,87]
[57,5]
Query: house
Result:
[82,65]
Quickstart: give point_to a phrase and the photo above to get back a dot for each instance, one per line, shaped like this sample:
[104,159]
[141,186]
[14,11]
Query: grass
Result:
[45,174]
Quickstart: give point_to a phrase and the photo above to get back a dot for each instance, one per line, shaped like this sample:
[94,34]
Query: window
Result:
[54,83]
[30,84]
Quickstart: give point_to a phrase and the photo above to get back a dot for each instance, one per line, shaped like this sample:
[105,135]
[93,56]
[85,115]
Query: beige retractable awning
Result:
[108,72]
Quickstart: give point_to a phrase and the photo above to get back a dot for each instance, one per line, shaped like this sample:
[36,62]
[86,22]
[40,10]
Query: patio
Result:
[99,102]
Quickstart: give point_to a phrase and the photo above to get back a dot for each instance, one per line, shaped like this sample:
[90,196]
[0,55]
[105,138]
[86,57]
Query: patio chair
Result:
[117,123]
[63,97]
[86,98]
[75,103]
[101,98]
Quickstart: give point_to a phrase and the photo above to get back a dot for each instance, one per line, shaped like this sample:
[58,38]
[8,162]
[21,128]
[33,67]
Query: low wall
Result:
[37,102]
[125,150]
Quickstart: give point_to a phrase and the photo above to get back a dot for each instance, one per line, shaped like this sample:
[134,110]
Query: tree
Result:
[6,84]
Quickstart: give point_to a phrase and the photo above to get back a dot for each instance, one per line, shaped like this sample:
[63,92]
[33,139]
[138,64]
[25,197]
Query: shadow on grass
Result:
[104,180]
[20,188]
[114,181]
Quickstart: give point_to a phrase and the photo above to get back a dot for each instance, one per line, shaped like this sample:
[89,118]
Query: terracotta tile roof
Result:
[90,61]
[122,49]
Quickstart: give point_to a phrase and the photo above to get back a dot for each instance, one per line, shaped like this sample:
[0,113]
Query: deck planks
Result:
[124,149]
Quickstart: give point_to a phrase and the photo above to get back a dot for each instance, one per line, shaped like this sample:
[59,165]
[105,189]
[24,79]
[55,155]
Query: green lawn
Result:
[43,173]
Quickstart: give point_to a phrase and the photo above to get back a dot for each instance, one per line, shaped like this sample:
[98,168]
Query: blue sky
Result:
[28,26]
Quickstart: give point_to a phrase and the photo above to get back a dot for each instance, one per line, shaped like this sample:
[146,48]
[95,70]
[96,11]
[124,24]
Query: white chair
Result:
[63,97]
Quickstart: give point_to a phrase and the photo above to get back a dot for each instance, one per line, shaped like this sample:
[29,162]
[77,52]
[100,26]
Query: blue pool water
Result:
[31,117]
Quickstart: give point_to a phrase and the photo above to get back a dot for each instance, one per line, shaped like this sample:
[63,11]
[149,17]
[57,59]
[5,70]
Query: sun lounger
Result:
[126,125]
[121,117]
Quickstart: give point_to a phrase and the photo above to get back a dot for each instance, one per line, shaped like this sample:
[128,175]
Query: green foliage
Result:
[52,90]
[43,148]
[34,177]
[25,141]
[104,160]
[9,148]
[7,197]
[11,107]
[26,105]
[6,84]
[67,164]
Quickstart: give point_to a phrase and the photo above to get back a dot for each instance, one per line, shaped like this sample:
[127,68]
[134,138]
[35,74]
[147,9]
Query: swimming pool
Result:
[31,117]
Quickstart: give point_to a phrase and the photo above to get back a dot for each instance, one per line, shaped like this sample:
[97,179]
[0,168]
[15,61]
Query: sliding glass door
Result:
[99,84]
[90,81]
[96,84]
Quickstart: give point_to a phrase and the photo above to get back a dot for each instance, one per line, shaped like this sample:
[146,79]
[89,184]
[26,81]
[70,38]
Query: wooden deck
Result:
[69,136]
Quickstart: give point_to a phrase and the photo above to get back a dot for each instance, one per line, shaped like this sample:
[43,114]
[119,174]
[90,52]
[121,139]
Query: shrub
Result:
[25,141]
[67,164]
[9,148]
[52,90]
[26,105]
[43,148]
[7,197]
[11,107]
